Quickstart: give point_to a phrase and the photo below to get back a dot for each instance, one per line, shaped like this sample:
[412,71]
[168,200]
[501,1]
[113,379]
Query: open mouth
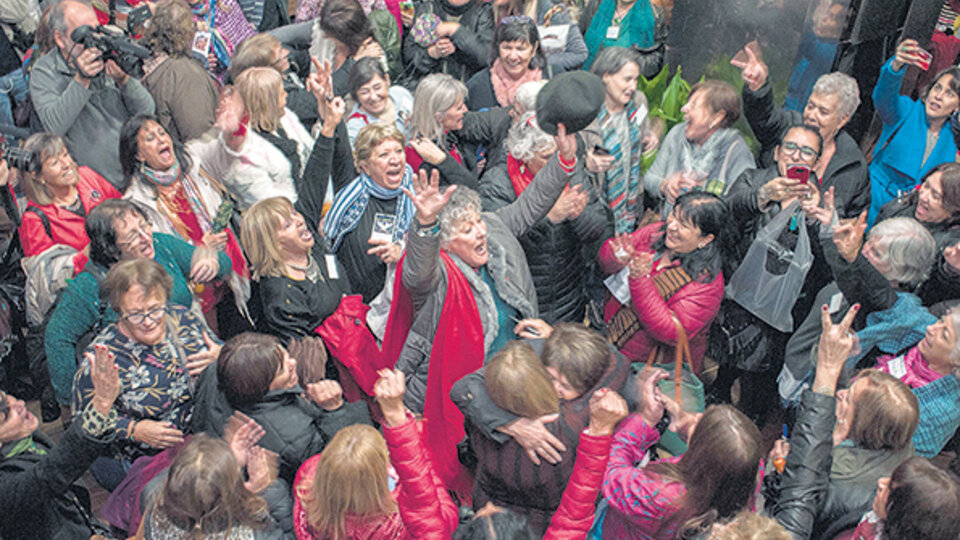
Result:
[306,235]
[481,249]
[165,152]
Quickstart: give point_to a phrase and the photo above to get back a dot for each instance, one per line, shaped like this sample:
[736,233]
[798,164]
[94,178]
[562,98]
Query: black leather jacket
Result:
[826,490]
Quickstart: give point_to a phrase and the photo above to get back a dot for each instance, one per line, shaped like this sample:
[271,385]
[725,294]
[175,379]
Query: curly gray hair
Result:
[907,247]
[525,100]
[844,86]
[463,204]
[525,139]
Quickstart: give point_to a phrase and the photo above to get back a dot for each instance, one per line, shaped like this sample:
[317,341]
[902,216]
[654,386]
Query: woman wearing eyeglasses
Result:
[118,230]
[740,342]
[160,350]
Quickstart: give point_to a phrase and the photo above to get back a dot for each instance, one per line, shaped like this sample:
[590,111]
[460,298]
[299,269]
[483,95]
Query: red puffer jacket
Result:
[574,517]
[426,510]
[695,304]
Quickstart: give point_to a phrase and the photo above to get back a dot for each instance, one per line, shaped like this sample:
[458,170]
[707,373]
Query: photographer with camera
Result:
[83,97]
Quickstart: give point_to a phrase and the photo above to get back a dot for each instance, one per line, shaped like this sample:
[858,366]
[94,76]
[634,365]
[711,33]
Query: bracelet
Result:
[429,230]
[567,166]
[824,390]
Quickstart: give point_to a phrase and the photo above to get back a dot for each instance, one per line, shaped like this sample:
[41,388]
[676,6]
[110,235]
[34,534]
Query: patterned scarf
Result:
[348,208]
[505,86]
[208,12]
[161,178]
[622,189]
[911,368]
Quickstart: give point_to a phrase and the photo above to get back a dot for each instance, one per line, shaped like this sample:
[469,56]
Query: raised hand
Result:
[262,468]
[641,264]
[569,205]
[566,143]
[428,199]
[908,52]
[230,111]
[681,422]
[836,341]
[242,432]
[848,236]
[105,376]
[753,71]
[389,390]
[320,82]
[824,214]
[607,408]
[622,247]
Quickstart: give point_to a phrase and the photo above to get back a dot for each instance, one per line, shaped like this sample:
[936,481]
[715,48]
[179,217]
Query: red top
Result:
[66,227]
[425,508]
[695,304]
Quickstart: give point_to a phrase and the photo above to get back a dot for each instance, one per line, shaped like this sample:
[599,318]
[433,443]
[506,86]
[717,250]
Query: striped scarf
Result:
[622,188]
[221,48]
[348,208]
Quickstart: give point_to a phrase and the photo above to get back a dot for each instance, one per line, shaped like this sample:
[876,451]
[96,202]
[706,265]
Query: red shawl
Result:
[457,351]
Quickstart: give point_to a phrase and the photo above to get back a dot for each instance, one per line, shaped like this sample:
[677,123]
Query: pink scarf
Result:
[911,368]
[505,86]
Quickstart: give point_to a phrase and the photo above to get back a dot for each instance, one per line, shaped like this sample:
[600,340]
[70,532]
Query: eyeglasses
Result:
[138,318]
[141,231]
[805,151]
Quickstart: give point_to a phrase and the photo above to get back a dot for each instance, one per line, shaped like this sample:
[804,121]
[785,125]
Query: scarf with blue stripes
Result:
[351,202]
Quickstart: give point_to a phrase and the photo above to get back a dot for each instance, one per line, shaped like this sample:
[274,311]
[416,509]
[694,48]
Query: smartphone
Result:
[925,58]
[406,7]
[799,172]
[600,151]
[137,19]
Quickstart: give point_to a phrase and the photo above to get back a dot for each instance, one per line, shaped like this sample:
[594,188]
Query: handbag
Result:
[684,382]
[768,281]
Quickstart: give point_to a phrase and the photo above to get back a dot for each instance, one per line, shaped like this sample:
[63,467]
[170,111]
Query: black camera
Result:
[115,45]
[18,158]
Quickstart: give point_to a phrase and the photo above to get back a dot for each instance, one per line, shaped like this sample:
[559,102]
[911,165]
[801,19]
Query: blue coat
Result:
[897,166]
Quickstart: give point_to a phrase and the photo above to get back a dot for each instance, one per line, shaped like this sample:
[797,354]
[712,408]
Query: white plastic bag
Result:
[759,289]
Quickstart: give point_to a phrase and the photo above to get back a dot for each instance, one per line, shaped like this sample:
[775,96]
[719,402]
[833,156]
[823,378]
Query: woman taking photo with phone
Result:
[916,135]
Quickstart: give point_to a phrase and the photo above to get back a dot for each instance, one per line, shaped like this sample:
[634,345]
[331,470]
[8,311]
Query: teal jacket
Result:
[78,310]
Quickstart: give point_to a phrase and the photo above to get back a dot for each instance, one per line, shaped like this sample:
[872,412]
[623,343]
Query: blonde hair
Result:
[260,88]
[351,479]
[749,526]
[518,382]
[435,95]
[258,234]
[885,413]
[256,51]
[40,147]
[370,137]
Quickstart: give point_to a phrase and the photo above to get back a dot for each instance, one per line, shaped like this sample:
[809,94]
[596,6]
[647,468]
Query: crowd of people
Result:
[392,269]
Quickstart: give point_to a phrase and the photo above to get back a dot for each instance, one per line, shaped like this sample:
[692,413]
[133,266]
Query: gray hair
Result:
[435,94]
[907,246]
[844,86]
[612,60]
[525,139]
[525,99]
[463,203]
[953,317]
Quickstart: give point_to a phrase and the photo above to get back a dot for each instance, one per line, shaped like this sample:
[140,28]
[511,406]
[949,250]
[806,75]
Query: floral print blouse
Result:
[154,384]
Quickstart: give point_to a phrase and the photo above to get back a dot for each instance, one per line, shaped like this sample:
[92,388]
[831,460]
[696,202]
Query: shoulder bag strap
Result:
[682,352]
[43,219]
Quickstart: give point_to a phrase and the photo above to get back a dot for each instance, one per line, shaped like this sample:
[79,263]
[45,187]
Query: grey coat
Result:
[425,278]
[89,119]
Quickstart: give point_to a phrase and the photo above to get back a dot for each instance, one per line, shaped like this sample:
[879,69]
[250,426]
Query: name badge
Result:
[613,32]
[332,266]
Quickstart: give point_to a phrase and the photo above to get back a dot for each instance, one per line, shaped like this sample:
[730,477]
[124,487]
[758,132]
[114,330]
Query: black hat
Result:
[572,99]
